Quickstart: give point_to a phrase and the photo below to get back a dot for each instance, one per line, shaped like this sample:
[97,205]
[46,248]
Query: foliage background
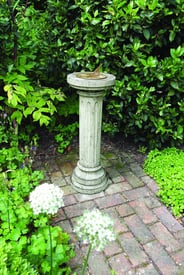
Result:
[141,42]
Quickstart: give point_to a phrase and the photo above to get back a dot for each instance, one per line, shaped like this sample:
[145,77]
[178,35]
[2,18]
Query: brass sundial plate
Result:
[91,75]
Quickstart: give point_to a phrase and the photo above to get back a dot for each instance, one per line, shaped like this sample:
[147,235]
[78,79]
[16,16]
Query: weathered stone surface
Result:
[150,183]
[179,257]
[165,237]
[139,229]
[161,259]
[146,270]
[78,209]
[69,200]
[119,264]
[137,193]
[146,215]
[116,188]
[57,178]
[84,197]
[109,201]
[133,249]
[137,169]
[133,179]
[65,167]
[89,177]
[125,210]
[112,249]
[98,264]
[167,219]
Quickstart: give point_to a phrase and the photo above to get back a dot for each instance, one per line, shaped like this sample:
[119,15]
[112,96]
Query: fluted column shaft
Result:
[90,120]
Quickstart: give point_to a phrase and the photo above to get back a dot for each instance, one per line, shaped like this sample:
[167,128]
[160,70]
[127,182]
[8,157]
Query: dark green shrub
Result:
[141,42]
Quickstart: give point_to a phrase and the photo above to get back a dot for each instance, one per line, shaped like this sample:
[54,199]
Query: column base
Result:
[89,180]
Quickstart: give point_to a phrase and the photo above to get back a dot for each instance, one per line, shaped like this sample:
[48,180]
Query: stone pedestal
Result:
[89,177]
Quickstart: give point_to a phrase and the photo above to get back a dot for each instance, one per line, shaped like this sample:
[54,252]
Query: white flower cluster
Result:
[46,198]
[95,228]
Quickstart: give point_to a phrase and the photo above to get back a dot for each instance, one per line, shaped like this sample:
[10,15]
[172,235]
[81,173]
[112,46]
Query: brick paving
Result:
[150,240]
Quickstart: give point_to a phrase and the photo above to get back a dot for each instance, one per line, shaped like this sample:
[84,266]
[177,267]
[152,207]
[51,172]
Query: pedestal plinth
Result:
[89,177]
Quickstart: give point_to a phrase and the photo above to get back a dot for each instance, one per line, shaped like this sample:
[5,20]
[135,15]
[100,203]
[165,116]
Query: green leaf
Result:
[153,5]
[13,99]
[36,115]
[96,13]
[174,84]
[129,64]
[171,93]
[160,76]
[45,267]
[95,21]
[106,23]
[15,234]
[180,130]
[172,36]
[17,115]
[22,69]
[28,111]
[146,33]
[21,77]
[44,120]
[20,90]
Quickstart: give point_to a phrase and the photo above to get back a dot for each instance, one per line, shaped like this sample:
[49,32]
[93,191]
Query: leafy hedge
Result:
[141,42]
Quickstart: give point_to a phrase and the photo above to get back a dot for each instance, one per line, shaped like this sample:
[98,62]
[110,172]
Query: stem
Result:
[86,260]
[25,8]
[8,195]
[8,204]
[50,239]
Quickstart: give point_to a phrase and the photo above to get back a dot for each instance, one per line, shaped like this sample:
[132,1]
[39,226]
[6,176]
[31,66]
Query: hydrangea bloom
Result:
[95,228]
[46,198]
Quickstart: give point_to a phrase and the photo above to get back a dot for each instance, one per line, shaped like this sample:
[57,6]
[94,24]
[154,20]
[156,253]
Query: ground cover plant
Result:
[167,168]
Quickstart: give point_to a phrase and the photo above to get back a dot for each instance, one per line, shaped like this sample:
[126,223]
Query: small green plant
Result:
[11,258]
[110,128]
[45,200]
[64,135]
[167,168]
[112,272]
[26,233]
[25,246]
[142,149]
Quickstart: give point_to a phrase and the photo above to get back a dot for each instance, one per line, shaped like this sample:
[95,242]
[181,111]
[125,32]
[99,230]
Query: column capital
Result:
[86,84]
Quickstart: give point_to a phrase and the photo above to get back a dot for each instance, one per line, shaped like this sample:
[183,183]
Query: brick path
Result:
[149,241]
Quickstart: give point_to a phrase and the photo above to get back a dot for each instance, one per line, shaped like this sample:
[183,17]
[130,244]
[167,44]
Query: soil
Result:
[48,147]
